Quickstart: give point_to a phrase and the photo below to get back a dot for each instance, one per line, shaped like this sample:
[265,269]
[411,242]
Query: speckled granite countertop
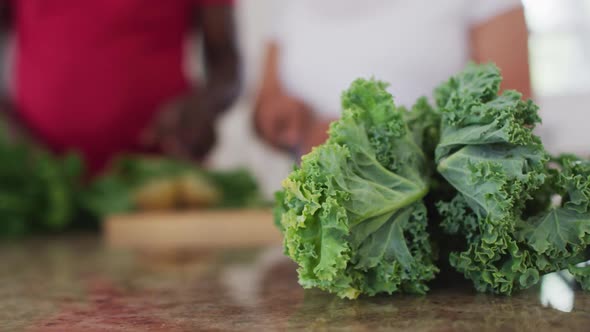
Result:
[76,284]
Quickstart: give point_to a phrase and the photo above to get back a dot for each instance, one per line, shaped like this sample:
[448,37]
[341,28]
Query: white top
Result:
[413,45]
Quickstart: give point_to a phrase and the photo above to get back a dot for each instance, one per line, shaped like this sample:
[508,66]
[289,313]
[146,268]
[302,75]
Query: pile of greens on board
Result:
[41,192]
[373,209]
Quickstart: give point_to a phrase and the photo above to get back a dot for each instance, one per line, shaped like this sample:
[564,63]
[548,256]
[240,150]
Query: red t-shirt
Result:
[90,74]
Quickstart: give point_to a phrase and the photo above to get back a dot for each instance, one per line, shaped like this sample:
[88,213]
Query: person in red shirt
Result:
[103,77]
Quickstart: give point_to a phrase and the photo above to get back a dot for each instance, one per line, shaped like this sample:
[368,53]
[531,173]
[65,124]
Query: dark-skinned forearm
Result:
[222,86]
[5,23]
[222,70]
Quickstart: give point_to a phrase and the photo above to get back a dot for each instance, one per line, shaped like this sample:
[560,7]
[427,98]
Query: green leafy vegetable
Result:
[353,216]
[238,187]
[581,273]
[489,154]
[43,192]
[561,235]
[38,189]
[140,182]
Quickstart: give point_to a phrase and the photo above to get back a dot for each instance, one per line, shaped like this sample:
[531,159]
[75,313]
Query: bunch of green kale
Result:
[38,192]
[41,192]
[355,213]
[132,177]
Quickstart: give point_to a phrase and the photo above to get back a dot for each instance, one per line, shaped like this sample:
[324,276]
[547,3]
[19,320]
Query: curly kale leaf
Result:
[114,191]
[238,187]
[473,113]
[559,232]
[39,190]
[424,123]
[489,154]
[562,234]
[581,273]
[352,214]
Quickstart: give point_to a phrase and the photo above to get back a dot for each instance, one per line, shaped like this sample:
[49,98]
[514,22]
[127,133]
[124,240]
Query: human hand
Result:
[316,134]
[283,121]
[184,129]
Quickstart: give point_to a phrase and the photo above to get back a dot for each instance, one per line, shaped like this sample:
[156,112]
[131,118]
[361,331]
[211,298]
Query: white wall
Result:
[566,123]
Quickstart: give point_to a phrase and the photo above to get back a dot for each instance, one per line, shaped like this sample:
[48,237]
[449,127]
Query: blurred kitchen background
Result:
[52,282]
[559,41]
[560,67]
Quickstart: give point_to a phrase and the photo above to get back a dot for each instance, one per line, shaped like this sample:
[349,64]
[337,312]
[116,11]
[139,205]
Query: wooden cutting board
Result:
[206,229]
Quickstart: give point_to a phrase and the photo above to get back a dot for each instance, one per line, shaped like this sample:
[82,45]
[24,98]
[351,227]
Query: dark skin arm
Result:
[185,128]
[10,125]
[221,57]
[504,41]
[282,120]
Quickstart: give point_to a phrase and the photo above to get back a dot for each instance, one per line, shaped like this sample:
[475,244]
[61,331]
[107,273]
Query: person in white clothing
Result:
[318,47]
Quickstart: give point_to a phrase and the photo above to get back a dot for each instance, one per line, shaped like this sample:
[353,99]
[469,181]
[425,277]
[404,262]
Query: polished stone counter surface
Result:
[75,283]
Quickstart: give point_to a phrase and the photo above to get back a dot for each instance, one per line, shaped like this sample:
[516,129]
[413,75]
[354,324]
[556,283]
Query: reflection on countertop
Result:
[76,284]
